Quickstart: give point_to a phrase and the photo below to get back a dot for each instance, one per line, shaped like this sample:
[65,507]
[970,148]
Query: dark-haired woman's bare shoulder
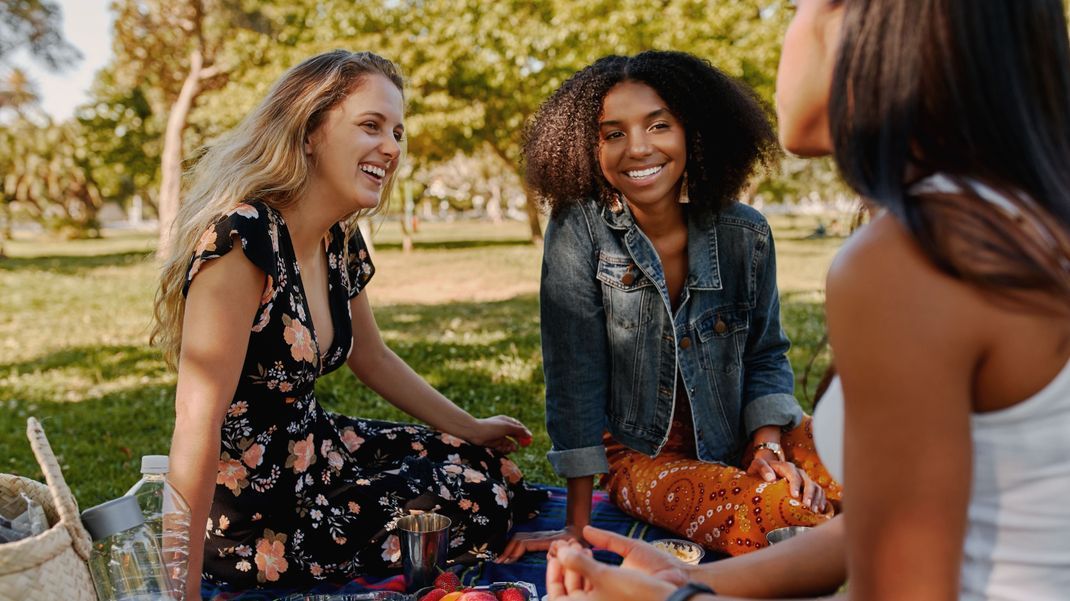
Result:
[881,275]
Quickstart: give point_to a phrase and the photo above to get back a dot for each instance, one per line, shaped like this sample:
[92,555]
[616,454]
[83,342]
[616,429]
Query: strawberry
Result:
[511,594]
[448,581]
[434,595]
[524,440]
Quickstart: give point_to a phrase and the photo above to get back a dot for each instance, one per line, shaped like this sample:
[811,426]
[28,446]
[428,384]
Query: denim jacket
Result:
[612,347]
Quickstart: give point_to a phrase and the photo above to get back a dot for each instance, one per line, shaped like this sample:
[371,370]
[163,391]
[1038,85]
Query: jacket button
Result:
[720,326]
[685,342]
[627,279]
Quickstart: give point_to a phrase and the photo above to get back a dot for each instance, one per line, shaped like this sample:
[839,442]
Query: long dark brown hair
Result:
[979,91]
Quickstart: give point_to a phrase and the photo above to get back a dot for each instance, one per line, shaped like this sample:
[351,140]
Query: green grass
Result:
[462,309]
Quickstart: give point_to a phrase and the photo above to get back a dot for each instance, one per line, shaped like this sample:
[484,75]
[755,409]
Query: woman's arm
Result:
[575,353]
[768,381]
[907,341]
[813,563]
[220,310]
[389,376]
[573,575]
[768,384]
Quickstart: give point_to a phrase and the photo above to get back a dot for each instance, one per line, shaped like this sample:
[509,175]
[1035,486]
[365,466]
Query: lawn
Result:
[462,309]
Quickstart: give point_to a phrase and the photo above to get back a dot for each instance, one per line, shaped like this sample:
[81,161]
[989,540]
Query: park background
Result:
[82,198]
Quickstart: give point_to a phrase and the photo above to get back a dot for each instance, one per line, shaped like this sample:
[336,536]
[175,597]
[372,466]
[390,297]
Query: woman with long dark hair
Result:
[948,314]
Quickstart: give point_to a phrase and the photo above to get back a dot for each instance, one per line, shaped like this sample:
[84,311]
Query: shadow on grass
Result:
[484,356]
[104,362]
[99,442]
[73,264]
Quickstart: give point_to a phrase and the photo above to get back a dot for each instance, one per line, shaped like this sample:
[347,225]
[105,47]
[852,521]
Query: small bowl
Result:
[783,534]
[684,550]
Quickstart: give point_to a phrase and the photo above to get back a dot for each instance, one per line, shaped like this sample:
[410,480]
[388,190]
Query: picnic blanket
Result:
[531,568]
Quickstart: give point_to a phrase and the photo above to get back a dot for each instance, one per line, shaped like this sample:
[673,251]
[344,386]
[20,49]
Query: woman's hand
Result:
[639,555]
[526,542]
[501,433]
[799,482]
[573,575]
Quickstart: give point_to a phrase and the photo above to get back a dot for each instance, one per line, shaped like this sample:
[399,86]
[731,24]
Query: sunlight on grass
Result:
[462,309]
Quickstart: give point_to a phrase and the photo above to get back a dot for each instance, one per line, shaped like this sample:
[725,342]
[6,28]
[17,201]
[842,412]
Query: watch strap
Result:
[689,590]
[774,447]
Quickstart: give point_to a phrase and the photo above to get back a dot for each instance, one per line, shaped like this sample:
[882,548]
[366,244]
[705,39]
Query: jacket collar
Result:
[704,268]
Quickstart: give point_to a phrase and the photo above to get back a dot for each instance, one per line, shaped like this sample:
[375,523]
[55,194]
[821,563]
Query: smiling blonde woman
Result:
[284,493]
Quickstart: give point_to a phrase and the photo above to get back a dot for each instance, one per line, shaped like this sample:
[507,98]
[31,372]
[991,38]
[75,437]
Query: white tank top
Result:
[1017,545]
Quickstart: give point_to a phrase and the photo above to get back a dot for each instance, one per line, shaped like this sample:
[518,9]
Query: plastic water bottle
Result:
[167,516]
[125,562]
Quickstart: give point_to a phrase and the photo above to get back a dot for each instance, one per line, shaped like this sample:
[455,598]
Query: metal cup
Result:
[783,534]
[425,540]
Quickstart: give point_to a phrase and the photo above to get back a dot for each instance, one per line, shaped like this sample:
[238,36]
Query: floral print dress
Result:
[303,494]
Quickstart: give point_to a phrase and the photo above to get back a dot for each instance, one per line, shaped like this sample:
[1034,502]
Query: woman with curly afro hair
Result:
[663,353]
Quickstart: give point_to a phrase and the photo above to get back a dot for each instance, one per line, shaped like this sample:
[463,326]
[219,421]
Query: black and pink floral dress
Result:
[306,495]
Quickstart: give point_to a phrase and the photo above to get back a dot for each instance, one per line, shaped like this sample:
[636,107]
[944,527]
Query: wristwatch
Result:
[689,590]
[771,446]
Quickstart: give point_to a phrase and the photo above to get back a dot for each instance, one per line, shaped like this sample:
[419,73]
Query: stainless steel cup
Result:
[425,540]
[783,534]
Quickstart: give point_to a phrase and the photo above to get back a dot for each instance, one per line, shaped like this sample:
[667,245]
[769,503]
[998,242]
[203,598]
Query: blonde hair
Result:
[261,159]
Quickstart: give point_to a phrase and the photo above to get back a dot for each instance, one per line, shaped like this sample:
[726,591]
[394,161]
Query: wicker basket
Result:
[52,565]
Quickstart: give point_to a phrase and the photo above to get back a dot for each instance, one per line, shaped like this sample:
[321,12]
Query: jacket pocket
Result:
[723,335]
[627,295]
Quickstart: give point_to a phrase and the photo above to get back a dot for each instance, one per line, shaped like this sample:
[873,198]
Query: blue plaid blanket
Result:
[531,568]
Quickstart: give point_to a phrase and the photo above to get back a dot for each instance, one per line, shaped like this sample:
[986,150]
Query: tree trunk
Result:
[533,217]
[171,160]
[529,205]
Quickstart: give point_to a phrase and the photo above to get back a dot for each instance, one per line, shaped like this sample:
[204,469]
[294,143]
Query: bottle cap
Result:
[154,464]
[112,517]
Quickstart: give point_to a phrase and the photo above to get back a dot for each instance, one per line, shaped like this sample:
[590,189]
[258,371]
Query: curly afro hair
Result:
[727,129]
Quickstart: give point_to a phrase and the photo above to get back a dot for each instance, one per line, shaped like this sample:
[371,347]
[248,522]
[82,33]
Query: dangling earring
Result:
[684,198]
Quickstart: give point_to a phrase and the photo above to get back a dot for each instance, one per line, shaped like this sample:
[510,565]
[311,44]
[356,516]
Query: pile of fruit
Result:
[447,587]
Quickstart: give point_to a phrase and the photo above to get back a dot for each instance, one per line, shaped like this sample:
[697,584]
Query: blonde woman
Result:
[288,492]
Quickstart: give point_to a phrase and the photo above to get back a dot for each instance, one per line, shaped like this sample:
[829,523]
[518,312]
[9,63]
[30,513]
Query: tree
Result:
[46,174]
[17,91]
[123,138]
[175,50]
[35,26]
[478,70]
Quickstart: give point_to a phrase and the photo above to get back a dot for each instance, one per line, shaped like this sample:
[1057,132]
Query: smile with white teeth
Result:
[373,170]
[643,173]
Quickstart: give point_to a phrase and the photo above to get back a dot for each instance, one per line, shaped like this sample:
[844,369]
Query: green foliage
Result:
[123,141]
[475,70]
[47,176]
[35,26]
[462,310]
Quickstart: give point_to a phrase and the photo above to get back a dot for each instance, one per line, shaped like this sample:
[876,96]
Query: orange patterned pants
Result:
[720,507]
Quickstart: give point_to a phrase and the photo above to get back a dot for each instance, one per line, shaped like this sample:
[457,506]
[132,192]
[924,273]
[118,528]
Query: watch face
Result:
[774,447]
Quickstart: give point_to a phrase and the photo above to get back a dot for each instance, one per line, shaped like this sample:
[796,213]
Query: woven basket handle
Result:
[66,506]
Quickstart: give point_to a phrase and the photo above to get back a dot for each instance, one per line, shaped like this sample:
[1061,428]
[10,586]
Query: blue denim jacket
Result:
[612,349]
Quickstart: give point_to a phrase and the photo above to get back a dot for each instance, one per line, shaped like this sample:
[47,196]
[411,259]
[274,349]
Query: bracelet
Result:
[771,446]
[689,590]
